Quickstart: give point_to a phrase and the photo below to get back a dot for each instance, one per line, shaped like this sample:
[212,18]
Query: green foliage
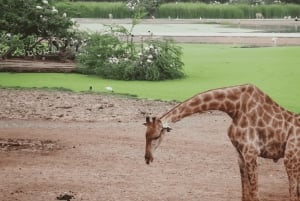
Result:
[113,54]
[197,10]
[105,9]
[100,53]
[182,10]
[160,60]
[32,17]
[110,57]
[8,41]
[26,24]
[94,9]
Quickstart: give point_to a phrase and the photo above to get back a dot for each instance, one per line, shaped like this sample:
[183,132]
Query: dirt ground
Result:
[86,146]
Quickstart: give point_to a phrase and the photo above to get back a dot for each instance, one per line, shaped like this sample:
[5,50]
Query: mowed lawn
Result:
[274,69]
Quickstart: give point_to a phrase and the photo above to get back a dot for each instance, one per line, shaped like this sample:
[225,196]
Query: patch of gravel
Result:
[69,106]
[28,145]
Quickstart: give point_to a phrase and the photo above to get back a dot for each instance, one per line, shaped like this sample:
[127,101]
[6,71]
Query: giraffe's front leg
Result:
[244,179]
[249,176]
[251,168]
[248,154]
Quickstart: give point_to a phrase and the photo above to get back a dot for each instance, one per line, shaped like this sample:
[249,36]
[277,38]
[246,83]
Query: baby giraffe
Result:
[260,127]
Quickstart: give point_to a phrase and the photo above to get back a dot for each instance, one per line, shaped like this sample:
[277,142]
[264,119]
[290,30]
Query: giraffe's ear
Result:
[153,119]
[147,121]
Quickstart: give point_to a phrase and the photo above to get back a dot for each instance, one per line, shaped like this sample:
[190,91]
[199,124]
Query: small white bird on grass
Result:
[109,89]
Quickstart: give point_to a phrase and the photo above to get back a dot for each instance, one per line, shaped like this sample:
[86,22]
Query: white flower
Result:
[131,5]
[146,48]
[140,54]
[41,16]
[54,10]
[45,2]
[39,7]
[150,56]
[64,15]
[113,60]
[149,60]
[116,60]
[30,53]
[151,46]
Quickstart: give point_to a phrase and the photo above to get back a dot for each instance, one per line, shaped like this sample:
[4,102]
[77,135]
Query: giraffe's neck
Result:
[225,99]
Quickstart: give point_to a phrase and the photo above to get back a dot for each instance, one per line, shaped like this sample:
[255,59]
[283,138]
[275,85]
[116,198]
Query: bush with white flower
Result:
[160,60]
[109,56]
[114,55]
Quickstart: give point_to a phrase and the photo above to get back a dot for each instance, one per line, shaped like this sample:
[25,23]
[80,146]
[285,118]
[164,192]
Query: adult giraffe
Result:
[260,127]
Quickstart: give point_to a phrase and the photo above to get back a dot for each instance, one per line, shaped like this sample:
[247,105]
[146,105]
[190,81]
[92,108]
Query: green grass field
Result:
[274,69]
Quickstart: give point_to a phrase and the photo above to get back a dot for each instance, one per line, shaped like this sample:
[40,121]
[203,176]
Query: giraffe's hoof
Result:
[148,158]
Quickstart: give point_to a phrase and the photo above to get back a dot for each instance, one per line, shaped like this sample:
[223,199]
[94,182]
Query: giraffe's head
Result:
[154,135]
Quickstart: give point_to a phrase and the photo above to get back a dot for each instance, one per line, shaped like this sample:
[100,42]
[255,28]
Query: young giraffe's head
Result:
[154,135]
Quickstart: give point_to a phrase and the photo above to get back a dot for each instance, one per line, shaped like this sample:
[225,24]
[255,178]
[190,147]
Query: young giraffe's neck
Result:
[224,99]
[231,100]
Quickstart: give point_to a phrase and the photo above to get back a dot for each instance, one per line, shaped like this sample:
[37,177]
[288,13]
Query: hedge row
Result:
[241,11]
[180,10]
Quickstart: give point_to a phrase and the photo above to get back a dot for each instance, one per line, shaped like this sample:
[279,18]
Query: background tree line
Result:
[205,1]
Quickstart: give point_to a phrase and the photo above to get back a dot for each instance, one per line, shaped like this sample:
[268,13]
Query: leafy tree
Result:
[32,18]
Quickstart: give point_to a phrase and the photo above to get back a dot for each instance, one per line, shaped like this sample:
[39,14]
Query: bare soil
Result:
[85,146]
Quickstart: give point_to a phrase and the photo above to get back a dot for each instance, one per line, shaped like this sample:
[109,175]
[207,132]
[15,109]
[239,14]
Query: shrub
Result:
[100,53]
[159,60]
[114,56]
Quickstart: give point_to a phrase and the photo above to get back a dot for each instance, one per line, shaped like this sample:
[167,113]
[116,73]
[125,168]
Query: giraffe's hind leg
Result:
[293,184]
[292,165]
[293,171]
[249,174]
